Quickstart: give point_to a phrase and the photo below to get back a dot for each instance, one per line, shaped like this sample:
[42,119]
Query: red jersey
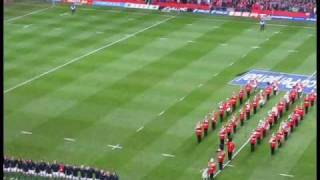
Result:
[233,101]
[253,139]
[221,156]
[61,168]
[230,146]
[222,133]
[273,142]
[229,128]
[205,124]
[248,108]
[212,167]
[241,93]
[241,116]
[221,109]
[199,130]
[270,119]
[214,117]
[268,90]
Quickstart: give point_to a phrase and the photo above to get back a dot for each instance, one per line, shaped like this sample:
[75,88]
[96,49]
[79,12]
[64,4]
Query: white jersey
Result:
[262,22]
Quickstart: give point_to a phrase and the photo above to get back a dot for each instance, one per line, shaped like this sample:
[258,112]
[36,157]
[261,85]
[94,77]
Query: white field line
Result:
[255,47]
[181,99]
[115,146]
[235,154]
[138,130]
[161,113]
[287,175]
[224,44]
[26,26]
[190,41]
[33,12]
[85,55]
[216,74]
[230,165]
[231,64]
[26,132]
[200,85]
[168,155]
[69,139]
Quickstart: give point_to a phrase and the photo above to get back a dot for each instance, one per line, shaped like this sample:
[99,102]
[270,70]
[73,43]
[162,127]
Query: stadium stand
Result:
[29,168]
[307,6]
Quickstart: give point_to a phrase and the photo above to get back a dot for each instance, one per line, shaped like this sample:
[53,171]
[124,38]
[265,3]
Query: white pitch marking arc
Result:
[115,146]
[168,155]
[255,47]
[26,132]
[85,55]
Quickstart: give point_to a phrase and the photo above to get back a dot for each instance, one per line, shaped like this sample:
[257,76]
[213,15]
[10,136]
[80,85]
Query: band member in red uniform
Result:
[258,133]
[275,87]
[229,130]
[299,89]
[248,88]
[234,123]
[306,104]
[293,95]
[268,90]
[241,94]
[300,112]
[212,167]
[281,107]
[199,131]
[273,143]
[253,141]
[233,102]
[231,148]
[241,117]
[275,114]
[227,107]
[248,109]
[291,123]
[270,119]
[255,104]
[221,156]
[205,126]
[221,112]
[222,136]
[280,137]
[287,100]
[312,97]
[214,120]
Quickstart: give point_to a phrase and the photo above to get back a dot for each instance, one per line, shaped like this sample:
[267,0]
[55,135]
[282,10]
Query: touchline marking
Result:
[115,146]
[33,12]
[287,175]
[69,139]
[168,155]
[161,113]
[85,55]
[229,165]
[138,130]
[26,132]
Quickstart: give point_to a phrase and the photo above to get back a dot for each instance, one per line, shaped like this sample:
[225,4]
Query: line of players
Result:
[286,127]
[225,109]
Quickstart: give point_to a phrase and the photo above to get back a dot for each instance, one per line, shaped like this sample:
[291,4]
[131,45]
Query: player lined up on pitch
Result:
[225,109]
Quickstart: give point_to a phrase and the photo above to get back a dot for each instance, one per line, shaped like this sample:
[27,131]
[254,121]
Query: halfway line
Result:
[33,12]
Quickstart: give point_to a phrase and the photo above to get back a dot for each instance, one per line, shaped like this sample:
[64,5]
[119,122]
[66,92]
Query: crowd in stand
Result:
[55,170]
[247,5]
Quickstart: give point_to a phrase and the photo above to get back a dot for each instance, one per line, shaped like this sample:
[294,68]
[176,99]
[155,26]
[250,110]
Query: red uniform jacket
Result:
[253,139]
[222,133]
[205,124]
[241,94]
[230,146]
[212,167]
[273,142]
[241,116]
[199,131]
[248,88]
[221,156]
[306,102]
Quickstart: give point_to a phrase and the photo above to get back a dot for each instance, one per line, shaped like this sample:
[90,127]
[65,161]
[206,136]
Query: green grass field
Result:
[103,73]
